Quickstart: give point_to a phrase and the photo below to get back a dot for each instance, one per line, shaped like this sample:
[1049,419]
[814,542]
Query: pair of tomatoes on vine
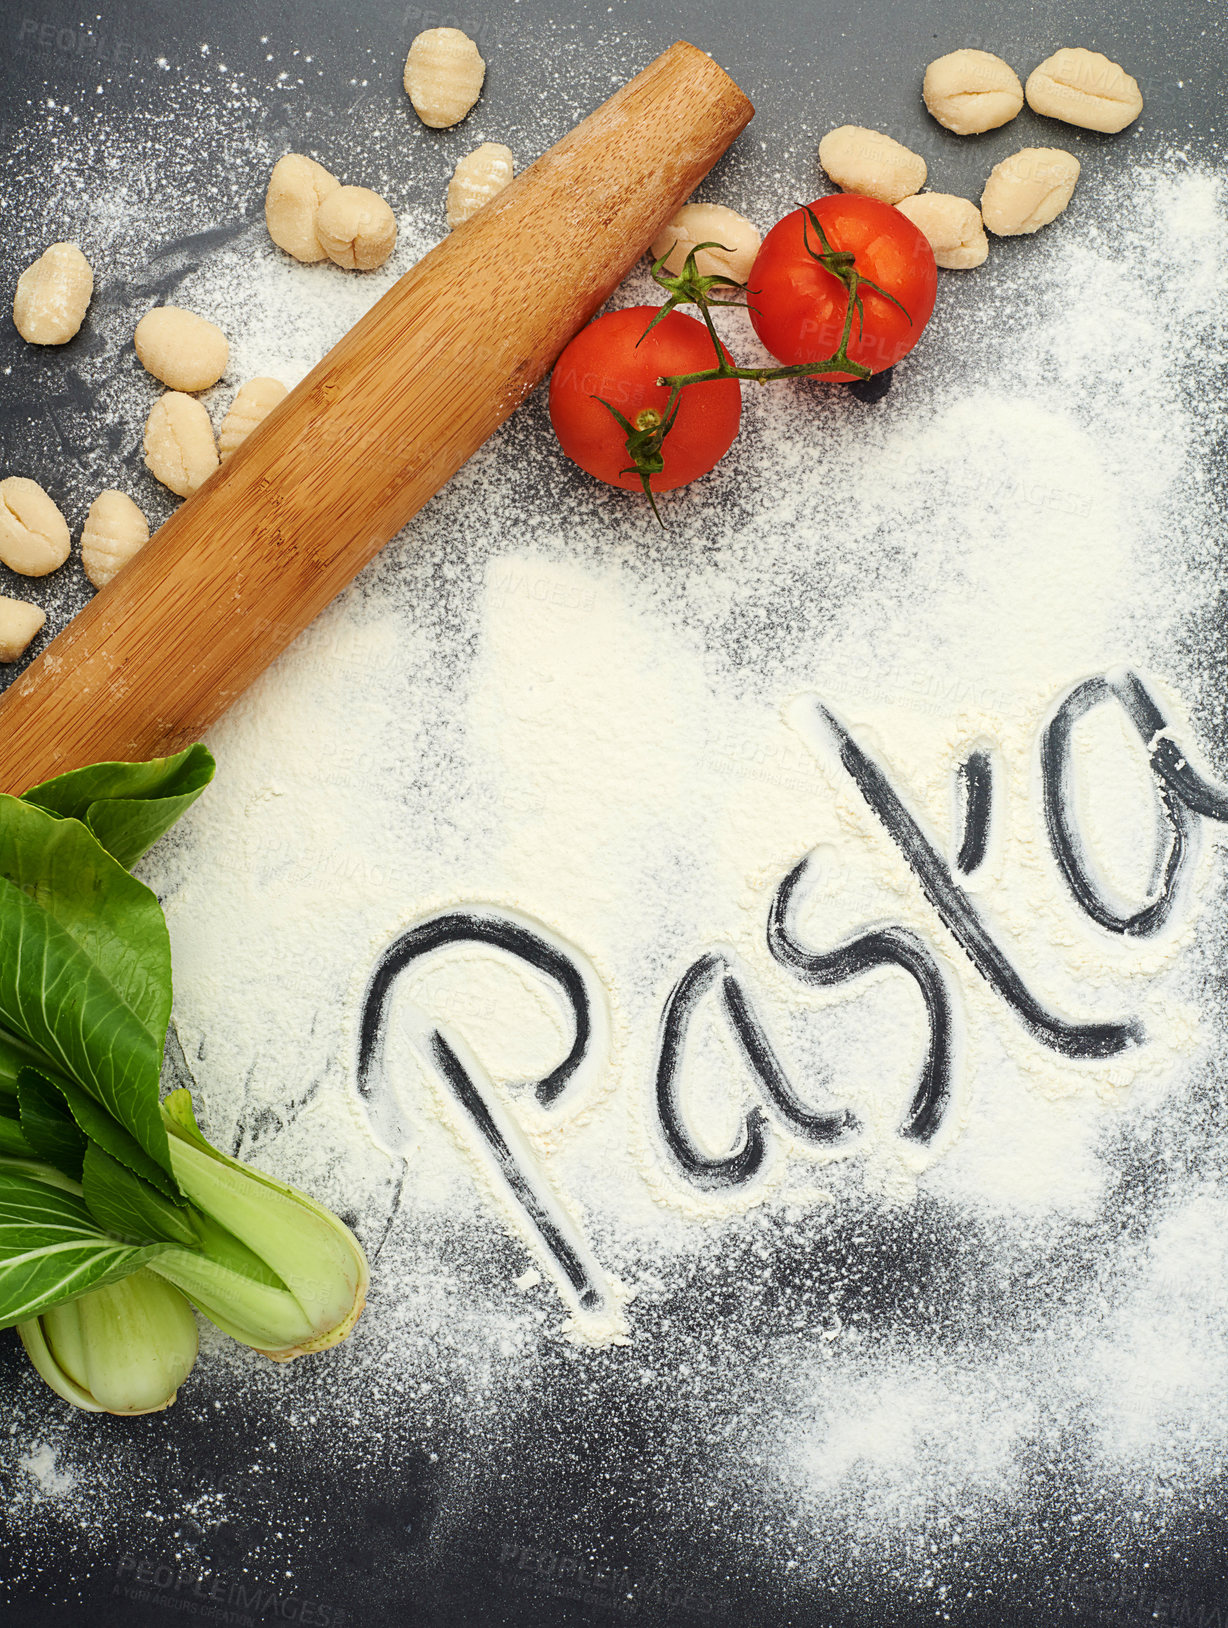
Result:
[649,399]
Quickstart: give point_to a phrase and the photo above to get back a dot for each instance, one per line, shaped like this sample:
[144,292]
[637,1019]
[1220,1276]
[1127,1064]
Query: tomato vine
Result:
[645,437]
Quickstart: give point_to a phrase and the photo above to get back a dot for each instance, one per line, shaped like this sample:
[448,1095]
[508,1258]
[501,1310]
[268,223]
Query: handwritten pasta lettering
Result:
[1186,798]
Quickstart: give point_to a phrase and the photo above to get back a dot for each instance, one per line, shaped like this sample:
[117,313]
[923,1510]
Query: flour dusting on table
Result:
[558,713]
[537,706]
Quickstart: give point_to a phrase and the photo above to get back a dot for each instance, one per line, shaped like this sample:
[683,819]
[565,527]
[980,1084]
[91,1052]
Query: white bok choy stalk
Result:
[125,1348]
[273,1269]
[121,1340]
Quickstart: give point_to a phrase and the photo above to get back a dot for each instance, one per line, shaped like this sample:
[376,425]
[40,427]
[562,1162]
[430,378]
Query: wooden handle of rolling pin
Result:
[388,416]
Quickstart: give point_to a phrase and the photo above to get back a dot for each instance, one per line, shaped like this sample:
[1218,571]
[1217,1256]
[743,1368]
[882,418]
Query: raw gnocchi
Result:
[1084,88]
[297,188]
[114,530]
[709,223]
[951,226]
[480,176]
[33,533]
[971,91]
[1028,190]
[443,76]
[179,447]
[251,406]
[182,350]
[870,163]
[19,622]
[53,295]
[356,228]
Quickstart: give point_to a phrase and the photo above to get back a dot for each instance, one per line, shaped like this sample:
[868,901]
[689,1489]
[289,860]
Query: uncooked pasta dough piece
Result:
[870,163]
[114,530]
[184,351]
[297,188]
[356,228]
[1084,88]
[1028,190]
[19,622]
[251,406]
[697,223]
[480,176]
[951,226]
[971,91]
[179,447]
[53,295]
[443,76]
[34,535]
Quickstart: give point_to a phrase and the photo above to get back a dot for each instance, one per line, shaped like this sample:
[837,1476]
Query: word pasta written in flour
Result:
[1185,797]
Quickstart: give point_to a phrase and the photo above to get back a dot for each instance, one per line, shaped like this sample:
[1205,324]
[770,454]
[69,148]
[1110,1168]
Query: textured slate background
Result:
[842,63]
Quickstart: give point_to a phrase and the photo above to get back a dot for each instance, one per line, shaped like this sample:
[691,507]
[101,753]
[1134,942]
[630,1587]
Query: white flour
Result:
[537,703]
[576,718]
[40,1465]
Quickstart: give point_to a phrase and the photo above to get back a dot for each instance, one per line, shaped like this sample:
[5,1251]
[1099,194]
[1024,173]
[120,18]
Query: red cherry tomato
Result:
[611,359]
[798,307]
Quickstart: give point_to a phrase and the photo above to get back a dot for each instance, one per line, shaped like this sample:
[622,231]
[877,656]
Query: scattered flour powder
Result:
[535,703]
[552,710]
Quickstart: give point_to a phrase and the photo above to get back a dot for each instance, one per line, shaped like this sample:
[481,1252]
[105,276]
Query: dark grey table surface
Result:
[807,67]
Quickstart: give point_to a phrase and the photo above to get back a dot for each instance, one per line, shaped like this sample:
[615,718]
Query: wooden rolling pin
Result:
[388,416]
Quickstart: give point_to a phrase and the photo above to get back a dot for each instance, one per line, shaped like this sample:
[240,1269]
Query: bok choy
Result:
[124,1348]
[115,1211]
